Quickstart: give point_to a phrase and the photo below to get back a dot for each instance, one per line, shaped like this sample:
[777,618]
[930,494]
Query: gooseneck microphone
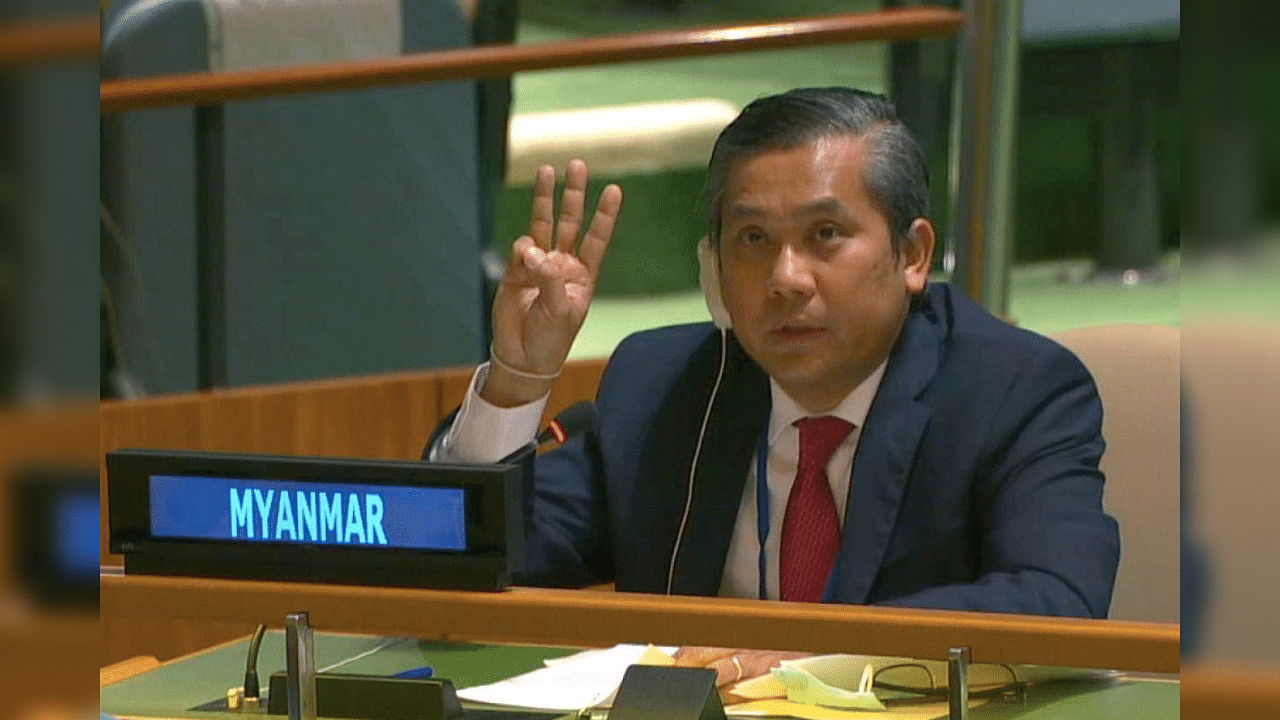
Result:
[531,568]
[578,418]
[574,420]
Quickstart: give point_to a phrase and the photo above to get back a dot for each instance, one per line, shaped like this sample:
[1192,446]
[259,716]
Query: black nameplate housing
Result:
[667,693]
[312,519]
[369,697]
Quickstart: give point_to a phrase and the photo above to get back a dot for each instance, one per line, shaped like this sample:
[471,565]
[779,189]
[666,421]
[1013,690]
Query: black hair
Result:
[896,175]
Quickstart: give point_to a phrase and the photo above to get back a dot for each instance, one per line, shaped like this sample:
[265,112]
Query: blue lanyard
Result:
[762,519]
[762,502]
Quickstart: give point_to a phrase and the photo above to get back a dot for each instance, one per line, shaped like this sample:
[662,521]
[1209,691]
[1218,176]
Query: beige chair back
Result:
[1137,369]
[1232,367]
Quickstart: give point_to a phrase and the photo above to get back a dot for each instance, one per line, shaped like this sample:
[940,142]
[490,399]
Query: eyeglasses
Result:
[899,678]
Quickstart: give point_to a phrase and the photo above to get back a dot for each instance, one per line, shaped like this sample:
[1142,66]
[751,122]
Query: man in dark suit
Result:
[847,433]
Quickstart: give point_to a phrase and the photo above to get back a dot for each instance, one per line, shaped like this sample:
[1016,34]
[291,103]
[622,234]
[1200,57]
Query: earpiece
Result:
[697,449]
[709,279]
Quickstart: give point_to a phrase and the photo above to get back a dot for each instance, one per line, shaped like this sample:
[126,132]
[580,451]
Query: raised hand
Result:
[547,287]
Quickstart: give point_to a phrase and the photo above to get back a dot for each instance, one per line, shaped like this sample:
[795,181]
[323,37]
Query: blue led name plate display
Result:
[307,513]
[76,532]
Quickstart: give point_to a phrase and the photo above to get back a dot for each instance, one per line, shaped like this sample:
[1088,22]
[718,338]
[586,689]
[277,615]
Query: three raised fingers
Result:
[563,232]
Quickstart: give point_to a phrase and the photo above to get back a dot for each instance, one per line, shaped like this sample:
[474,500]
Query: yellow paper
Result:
[786,708]
[846,672]
[803,687]
[654,656]
[840,671]
[760,688]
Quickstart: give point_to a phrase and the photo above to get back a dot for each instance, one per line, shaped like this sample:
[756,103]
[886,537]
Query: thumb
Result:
[526,257]
[547,275]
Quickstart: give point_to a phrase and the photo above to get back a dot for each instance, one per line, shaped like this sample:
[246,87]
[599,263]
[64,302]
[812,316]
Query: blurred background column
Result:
[983,157]
[49,280]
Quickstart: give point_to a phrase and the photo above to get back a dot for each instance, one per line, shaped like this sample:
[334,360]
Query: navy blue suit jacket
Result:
[975,483]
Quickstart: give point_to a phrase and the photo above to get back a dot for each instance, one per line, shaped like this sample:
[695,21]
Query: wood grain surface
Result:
[571,617]
[914,23]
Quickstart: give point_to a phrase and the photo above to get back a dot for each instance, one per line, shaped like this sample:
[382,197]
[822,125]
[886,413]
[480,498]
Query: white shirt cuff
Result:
[485,433]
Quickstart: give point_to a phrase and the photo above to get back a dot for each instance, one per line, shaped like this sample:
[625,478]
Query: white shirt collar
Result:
[853,408]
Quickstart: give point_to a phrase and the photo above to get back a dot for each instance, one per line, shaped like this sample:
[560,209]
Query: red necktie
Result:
[811,529]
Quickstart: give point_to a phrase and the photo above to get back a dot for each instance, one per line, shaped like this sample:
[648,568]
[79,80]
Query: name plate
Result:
[324,513]
[316,519]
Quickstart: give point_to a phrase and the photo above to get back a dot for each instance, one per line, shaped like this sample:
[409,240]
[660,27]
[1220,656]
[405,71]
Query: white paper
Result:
[567,684]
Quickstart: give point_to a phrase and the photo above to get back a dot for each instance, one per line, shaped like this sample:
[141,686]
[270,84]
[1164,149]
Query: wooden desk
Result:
[1231,690]
[390,416]
[170,690]
[47,662]
[570,617]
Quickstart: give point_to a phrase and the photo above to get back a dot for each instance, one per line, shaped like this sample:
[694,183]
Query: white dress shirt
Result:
[485,433]
[742,565]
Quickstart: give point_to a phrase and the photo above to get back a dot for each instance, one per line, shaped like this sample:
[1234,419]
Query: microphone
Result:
[571,422]
[578,418]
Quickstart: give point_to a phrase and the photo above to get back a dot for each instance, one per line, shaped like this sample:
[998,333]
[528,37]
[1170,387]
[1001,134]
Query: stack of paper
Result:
[587,679]
[826,687]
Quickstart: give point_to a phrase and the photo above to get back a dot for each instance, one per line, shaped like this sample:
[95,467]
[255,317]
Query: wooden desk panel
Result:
[568,617]
[1231,690]
[47,661]
[383,416]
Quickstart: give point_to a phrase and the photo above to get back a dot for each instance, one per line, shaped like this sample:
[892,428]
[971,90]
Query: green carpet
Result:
[738,78]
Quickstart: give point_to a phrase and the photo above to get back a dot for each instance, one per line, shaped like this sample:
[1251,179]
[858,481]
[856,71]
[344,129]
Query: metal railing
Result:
[49,40]
[981,177]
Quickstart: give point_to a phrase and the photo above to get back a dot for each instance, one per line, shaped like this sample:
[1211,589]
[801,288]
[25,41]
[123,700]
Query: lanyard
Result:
[762,519]
[762,502]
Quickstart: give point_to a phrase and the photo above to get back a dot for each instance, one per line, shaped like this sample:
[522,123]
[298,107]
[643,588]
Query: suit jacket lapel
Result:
[886,450]
[739,413]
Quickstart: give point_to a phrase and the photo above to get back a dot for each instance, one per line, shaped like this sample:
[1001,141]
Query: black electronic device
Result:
[371,697]
[667,693]
[56,538]
[313,519]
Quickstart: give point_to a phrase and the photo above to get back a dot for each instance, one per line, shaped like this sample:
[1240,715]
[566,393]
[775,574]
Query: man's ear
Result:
[917,255]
